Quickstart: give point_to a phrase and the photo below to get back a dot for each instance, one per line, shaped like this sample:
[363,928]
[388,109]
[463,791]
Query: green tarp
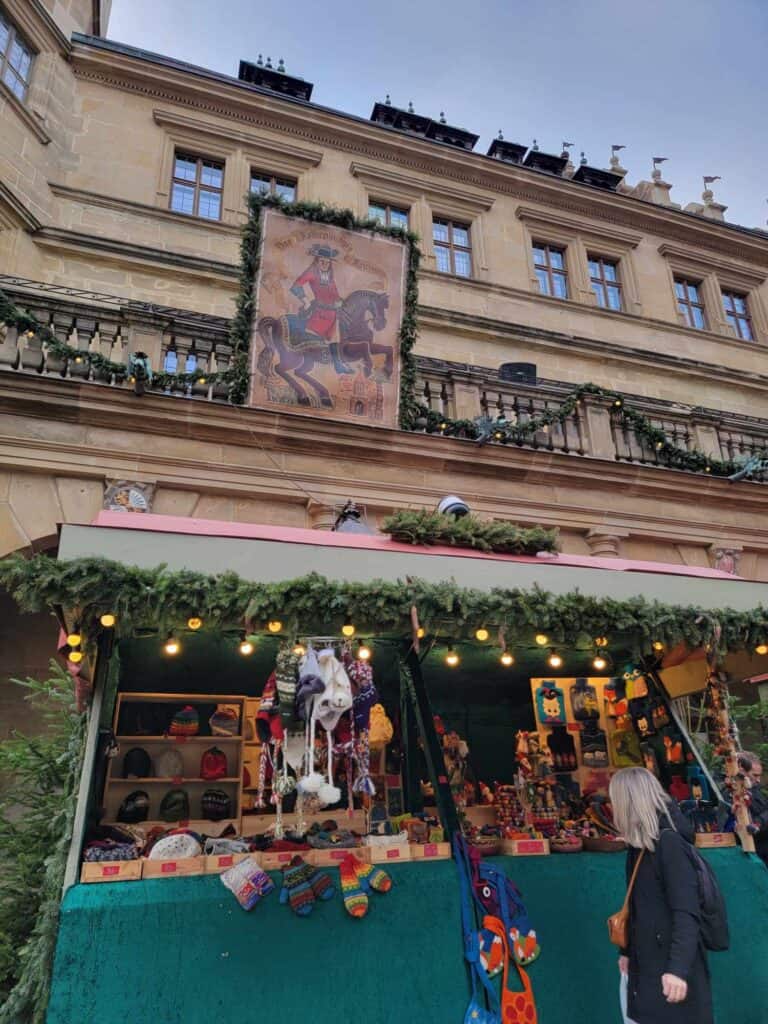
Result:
[181,951]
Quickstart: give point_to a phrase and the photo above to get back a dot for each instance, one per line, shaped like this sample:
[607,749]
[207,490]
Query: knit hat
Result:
[286,675]
[185,722]
[134,808]
[366,695]
[175,846]
[336,698]
[137,764]
[268,724]
[225,721]
[216,805]
[169,764]
[213,764]
[175,805]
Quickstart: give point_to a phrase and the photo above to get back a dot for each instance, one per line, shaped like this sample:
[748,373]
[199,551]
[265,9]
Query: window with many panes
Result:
[390,216]
[15,58]
[690,303]
[269,185]
[604,281]
[737,314]
[453,251]
[197,186]
[549,265]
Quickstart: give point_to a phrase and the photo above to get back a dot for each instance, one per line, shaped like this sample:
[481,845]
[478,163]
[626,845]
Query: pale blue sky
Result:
[685,79]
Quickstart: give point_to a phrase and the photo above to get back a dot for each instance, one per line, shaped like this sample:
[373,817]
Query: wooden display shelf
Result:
[712,840]
[215,863]
[430,851]
[111,871]
[203,825]
[173,867]
[176,780]
[212,741]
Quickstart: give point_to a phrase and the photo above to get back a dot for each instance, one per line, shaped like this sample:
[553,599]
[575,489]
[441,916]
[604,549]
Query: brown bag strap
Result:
[632,880]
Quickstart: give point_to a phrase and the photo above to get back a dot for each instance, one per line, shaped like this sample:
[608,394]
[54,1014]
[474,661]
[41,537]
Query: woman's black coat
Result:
[664,934]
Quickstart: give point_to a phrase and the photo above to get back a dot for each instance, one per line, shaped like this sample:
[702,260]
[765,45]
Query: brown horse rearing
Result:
[361,314]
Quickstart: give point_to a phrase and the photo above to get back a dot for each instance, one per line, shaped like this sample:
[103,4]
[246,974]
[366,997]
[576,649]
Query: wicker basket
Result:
[601,844]
[489,846]
[575,845]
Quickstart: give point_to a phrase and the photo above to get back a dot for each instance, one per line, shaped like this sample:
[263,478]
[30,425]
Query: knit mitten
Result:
[371,876]
[297,889]
[286,675]
[322,885]
[355,899]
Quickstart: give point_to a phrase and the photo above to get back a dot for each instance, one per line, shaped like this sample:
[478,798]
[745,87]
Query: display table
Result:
[163,952]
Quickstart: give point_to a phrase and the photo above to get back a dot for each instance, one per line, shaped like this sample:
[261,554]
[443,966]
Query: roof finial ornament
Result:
[269,64]
[614,161]
[500,136]
[656,173]
[535,146]
[565,155]
[281,65]
[583,160]
[260,62]
[410,107]
[388,100]
[708,195]
[442,117]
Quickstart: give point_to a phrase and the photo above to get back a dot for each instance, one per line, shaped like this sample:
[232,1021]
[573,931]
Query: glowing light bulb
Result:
[541,639]
[555,660]
[172,646]
[74,639]
[421,632]
[599,663]
[274,625]
[107,620]
[245,647]
[481,634]
[657,645]
[601,641]
[761,649]
[299,650]
[75,656]
[364,652]
[348,629]
[194,623]
[507,659]
[452,659]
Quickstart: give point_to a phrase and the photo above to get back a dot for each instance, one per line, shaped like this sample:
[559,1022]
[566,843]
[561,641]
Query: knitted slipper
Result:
[322,885]
[371,876]
[355,899]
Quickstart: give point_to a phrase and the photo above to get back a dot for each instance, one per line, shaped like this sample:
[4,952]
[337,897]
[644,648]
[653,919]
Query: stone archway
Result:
[33,505]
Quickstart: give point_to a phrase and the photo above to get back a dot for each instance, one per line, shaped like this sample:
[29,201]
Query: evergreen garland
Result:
[319,213]
[500,431]
[422,527]
[36,818]
[163,600]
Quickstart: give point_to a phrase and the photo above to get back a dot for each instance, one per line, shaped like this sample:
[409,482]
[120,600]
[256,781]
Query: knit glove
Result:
[297,886]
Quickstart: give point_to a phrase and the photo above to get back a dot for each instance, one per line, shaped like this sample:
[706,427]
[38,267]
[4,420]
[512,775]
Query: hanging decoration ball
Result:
[299,650]
[452,659]
[541,639]
[599,663]
[274,625]
[507,659]
[245,647]
[657,645]
[75,657]
[364,652]
[762,648]
[348,629]
[74,639]
[107,620]
[194,622]
[554,660]
[481,634]
[601,641]
[421,632]
[171,645]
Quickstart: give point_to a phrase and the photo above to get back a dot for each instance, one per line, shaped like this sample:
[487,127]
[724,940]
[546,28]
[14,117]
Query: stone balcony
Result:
[180,341]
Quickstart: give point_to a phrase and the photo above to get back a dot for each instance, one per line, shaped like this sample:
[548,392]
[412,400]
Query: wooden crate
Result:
[389,854]
[710,840]
[332,858]
[173,868]
[430,851]
[525,847]
[111,871]
[215,863]
[274,861]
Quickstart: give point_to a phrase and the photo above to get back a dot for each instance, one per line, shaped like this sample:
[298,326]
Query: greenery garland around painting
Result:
[163,600]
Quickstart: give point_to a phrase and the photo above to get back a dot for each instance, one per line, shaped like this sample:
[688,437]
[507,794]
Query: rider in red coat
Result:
[322,314]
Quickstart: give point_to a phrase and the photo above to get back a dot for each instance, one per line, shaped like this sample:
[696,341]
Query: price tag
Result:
[110,869]
[393,854]
[226,860]
[168,867]
[430,849]
[575,727]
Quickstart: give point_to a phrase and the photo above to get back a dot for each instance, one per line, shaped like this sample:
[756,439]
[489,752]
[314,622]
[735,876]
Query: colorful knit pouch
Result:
[185,722]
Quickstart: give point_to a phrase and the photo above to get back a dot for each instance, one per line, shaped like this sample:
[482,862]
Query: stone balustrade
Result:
[179,341]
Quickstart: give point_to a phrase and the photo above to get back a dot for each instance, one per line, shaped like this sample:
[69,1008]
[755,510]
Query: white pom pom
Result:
[328,794]
[311,783]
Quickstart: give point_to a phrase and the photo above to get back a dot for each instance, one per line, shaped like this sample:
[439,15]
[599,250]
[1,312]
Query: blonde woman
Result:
[665,960]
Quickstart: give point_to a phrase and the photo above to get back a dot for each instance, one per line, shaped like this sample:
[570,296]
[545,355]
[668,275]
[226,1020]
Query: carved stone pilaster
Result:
[605,542]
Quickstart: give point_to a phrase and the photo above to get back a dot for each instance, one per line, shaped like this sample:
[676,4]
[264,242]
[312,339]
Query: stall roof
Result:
[271,553]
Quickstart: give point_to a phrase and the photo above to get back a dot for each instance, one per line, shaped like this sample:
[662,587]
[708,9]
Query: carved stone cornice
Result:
[13,212]
[161,78]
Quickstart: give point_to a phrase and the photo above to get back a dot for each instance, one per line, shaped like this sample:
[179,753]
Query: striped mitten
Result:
[322,885]
[297,889]
[355,899]
[371,876]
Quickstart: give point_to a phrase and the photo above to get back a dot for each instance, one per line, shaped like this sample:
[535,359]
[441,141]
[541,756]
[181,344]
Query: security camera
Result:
[453,506]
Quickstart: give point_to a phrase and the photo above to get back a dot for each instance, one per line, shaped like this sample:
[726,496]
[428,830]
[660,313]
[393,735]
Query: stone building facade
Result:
[645,298]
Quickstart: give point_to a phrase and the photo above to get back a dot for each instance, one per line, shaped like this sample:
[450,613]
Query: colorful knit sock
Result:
[371,876]
[296,887]
[355,899]
[322,885]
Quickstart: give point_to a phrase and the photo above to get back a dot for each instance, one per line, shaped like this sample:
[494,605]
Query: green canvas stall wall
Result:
[181,951]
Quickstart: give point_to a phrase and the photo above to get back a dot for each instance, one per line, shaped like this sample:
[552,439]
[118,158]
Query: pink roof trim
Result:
[376,542]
